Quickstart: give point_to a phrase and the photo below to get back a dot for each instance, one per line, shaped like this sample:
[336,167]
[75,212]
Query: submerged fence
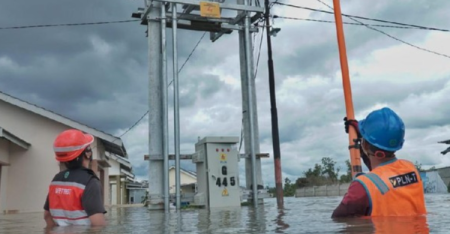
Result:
[323,191]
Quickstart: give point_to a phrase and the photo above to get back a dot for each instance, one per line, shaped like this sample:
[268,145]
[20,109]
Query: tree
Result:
[289,188]
[302,182]
[315,176]
[271,190]
[346,178]
[316,172]
[324,173]
[329,169]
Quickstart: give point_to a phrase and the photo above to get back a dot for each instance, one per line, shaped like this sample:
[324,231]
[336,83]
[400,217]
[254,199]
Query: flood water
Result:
[301,215]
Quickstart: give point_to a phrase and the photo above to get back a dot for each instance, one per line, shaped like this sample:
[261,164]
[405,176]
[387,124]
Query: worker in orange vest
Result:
[393,187]
[75,195]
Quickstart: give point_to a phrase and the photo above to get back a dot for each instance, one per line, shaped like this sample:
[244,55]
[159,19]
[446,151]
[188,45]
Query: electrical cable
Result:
[65,25]
[392,37]
[364,18]
[189,56]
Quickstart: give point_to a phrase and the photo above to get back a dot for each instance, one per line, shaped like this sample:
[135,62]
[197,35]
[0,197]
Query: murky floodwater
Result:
[301,215]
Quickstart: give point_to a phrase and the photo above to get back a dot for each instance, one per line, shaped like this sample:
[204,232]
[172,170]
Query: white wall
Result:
[4,151]
[114,170]
[32,170]
[98,150]
[184,179]
[3,188]
[115,167]
[113,199]
[106,187]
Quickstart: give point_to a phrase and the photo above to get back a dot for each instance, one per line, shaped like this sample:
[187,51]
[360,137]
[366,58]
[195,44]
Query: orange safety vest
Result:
[400,224]
[65,194]
[394,188]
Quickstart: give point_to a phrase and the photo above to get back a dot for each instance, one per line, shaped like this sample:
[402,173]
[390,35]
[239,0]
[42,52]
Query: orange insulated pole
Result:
[355,159]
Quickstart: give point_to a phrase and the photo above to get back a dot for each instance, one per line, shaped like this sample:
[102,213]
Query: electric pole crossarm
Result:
[222,5]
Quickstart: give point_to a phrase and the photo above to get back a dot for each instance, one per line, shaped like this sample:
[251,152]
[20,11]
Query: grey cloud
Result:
[197,86]
[141,170]
[60,69]
[319,55]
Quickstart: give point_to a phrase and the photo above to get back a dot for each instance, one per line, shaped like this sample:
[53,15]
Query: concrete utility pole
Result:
[176,104]
[155,116]
[165,107]
[250,119]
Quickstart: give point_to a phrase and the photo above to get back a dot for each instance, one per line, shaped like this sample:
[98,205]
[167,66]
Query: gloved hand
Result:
[353,123]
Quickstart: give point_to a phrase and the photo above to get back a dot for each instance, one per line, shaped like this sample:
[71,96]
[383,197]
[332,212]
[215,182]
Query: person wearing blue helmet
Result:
[393,186]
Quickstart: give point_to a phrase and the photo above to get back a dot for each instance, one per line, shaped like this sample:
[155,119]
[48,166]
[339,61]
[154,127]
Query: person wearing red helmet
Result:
[393,187]
[75,196]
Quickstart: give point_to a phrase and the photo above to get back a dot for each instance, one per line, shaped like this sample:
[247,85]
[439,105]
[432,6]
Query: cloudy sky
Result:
[98,75]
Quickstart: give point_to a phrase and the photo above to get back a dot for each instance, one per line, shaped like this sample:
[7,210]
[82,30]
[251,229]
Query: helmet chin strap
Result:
[379,154]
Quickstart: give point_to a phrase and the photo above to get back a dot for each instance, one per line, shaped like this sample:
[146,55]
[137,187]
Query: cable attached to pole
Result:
[274,114]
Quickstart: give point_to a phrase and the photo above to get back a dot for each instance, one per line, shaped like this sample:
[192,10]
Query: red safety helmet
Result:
[70,144]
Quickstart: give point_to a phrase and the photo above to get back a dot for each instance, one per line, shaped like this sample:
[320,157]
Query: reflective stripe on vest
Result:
[66,217]
[394,189]
[70,184]
[67,222]
[378,182]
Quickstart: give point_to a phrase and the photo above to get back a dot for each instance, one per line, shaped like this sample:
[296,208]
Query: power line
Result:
[129,129]
[364,18]
[181,68]
[397,39]
[67,25]
[189,56]
[134,125]
[349,23]
[259,51]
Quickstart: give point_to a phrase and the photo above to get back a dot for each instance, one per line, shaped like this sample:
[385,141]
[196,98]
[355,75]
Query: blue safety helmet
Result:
[384,129]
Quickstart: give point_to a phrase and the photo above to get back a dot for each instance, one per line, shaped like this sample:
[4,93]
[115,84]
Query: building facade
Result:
[27,161]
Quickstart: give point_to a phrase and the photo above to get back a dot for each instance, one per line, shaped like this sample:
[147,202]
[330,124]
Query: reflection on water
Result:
[396,225]
[301,215]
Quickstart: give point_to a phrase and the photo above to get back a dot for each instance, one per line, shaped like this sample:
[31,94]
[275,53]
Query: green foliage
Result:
[321,174]
[329,170]
[145,199]
[289,188]
[324,173]
[271,190]
[346,178]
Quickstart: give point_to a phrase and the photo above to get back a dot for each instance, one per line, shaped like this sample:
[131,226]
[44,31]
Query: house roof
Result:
[14,139]
[112,144]
[191,173]
[121,160]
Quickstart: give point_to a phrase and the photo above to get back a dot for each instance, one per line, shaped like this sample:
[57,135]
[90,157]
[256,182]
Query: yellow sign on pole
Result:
[225,192]
[210,9]
[223,157]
